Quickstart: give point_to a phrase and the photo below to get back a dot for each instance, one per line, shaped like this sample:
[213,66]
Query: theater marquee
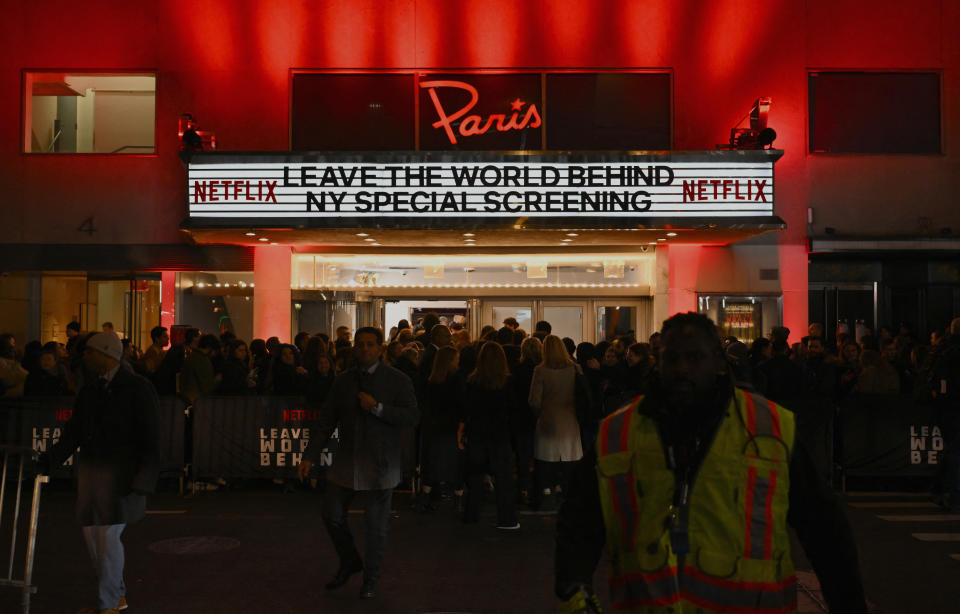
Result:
[348,185]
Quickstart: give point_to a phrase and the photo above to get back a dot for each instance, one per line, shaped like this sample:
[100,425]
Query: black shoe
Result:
[343,574]
[369,591]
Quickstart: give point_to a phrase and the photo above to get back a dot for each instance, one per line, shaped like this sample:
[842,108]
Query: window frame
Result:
[808,136]
[419,73]
[89,71]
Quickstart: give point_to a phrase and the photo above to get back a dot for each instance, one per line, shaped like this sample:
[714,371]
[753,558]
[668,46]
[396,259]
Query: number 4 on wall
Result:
[87,226]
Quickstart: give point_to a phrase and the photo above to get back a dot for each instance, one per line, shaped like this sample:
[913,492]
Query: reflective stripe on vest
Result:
[615,431]
[763,419]
[759,510]
[659,589]
[614,437]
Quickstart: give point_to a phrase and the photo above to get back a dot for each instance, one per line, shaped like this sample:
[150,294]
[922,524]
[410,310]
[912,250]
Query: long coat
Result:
[369,455]
[553,397]
[119,453]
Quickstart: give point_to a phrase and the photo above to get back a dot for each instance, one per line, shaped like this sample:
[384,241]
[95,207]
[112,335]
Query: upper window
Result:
[78,112]
[481,110]
[875,112]
[617,110]
[340,111]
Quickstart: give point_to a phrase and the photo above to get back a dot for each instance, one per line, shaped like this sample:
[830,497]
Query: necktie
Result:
[366,381]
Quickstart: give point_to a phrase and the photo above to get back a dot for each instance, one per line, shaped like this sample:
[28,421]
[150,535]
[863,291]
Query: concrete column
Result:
[794,282]
[271,292]
[684,264]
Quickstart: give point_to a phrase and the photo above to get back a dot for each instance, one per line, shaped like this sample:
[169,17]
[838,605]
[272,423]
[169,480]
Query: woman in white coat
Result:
[557,437]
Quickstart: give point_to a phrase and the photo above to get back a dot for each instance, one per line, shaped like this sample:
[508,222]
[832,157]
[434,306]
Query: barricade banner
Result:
[38,422]
[888,435]
[253,437]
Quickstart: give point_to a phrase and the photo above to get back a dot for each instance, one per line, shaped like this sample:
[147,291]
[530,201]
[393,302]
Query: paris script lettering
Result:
[475,124]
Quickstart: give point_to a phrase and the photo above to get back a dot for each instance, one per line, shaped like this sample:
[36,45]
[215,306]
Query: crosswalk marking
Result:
[919,518]
[886,504]
[904,495]
[937,537]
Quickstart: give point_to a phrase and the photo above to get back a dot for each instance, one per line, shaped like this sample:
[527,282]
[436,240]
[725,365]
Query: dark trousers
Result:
[376,517]
[523,442]
[553,474]
[495,457]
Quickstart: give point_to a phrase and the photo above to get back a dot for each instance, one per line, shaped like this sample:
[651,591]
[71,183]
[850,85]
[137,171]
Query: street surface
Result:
[260,550]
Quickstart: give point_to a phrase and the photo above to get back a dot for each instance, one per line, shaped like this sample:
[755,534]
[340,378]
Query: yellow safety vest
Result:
[736,517]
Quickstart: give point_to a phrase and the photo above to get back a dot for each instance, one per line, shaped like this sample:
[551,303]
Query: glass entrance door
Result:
[131,306]
[618,318]
[566,318]
[496,310]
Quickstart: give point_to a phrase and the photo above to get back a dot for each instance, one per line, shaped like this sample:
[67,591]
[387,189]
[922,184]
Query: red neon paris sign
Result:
[475,124]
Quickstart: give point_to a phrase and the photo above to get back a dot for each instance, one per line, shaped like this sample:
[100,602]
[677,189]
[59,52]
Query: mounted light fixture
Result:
[758,135]
[192,139]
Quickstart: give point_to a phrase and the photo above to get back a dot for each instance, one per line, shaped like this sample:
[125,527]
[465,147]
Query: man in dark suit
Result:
[439,337]
[372,403]
[114,423]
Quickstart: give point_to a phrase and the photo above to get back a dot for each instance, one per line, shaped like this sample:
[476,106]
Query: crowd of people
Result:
[517,407]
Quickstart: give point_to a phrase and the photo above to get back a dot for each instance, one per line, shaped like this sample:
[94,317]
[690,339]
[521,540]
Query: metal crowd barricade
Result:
[23,454]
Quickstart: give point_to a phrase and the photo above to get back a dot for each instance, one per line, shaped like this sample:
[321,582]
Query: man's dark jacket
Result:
[369,455]
[118,462]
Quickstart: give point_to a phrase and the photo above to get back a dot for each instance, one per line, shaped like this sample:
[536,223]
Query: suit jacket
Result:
[119,457]
[369,454]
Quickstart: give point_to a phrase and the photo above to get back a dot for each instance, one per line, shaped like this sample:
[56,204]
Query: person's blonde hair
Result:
[555,355]
[443,364]
[492,370]
[531,350]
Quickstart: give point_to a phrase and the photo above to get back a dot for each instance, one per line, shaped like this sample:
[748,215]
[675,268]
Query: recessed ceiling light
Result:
[564,245]
[471,244]
[572,234]
[469,234]
[375,244]
[362,234]
[470,240]
[250,234]
[661,239]
[369,240]
[274,244]
[264,239]
[671,234]
[567,240]
[652,243]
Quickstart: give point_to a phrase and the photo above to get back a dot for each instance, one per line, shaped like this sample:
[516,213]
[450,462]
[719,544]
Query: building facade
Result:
[107,216]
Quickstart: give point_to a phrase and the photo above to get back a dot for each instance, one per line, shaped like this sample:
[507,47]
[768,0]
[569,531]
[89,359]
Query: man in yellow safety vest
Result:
[691,488]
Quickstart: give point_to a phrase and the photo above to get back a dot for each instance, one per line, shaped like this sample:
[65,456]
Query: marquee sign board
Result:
[481,185]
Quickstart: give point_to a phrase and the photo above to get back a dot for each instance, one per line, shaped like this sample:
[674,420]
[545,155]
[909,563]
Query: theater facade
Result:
[287,168]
